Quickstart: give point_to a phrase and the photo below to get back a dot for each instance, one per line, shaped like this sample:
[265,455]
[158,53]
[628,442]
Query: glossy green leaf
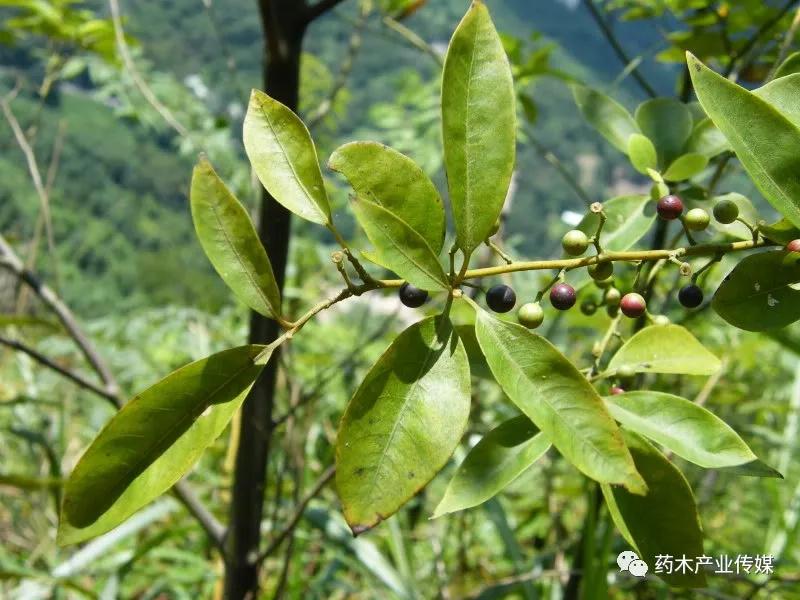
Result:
[781,231]
[479,126]
[153,441]
[665,349]
[665,520]
[668,124]
[606,115]
[499,458]
[642,153]
[790,66]
[783,94]
[685,167]
[707,140]
[761,292]
[683,427]
[628,219]
[284,158]
[558,399]
[766,142]
[403,423]
[395,182]
[231,243]
[399,247]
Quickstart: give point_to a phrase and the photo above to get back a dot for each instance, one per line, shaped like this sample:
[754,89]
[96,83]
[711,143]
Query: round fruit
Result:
[588,307]
[575,242]
[501,298]
[601,271]
[612,297]
[690,296]
[616,390]
[563,296]
[626,372]
[531,315]
[670,207]
[726,211]
[793,246]
[612,311]
[633,305]
[697,219]
[661,321]
[604,283]
[412,296]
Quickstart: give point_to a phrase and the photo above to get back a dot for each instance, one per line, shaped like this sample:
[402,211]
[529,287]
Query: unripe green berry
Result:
[588,307]
[575,242]
[612,297]
[626,372]
[601,271]
[726,211]
[661,320]
[531,315]
[697,219]
[612,311]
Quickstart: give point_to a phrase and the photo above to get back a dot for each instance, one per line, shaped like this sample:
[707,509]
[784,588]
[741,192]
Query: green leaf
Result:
[395,182]
[665,520]
[760,293]
[606,115]
[707,140]
[685,167]
[399,247]
[766,142]
[782,94]
[479,126]
[781,232]
[284,158]
[642,153]
[683,427]
[665,349]
[153,441]
[628,219]
[403,423]
[558,399]
[498,459]
[789,67]
[231,243]
[668,124]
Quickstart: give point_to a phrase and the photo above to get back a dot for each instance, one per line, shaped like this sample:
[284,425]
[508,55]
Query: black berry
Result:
[412,296]
[670,207]
[690,296]
[501,298]
[563,296]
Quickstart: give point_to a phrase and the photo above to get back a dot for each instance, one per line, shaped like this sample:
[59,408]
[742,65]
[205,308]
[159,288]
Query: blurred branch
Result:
[559,166]
[611,37]
[141,85]
[353,46]
[230,60]
[412,38]
[320,8]
[284,533]
[766,26]
[785,45]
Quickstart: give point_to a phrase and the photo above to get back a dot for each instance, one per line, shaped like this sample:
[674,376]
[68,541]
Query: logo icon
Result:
[629,561]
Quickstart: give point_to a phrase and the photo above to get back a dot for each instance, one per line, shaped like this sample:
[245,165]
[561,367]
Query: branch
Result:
[765,27]
[617,47]
[141,85]
[284,533]
[319,9]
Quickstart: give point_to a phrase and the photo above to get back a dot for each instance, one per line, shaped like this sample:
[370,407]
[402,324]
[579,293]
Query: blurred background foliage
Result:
[116,242]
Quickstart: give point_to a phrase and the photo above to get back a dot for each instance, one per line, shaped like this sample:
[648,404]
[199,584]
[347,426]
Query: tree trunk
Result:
[284,29]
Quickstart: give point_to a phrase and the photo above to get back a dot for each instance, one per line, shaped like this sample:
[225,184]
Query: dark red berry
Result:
[690,296]
[616,390]
[412,296]
[670,207]
[633,305]
[563,296]
[793,246]
[501,298]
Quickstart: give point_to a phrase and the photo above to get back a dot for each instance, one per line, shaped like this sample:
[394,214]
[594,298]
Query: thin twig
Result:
[138,80]
[766,26]
[320,8]
[284,533]
[412,38]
